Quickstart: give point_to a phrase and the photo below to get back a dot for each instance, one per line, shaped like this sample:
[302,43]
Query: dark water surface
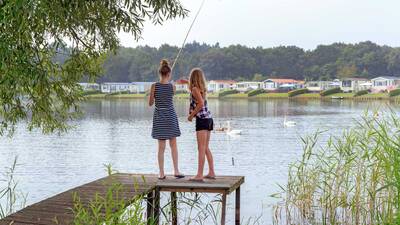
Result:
[118,132]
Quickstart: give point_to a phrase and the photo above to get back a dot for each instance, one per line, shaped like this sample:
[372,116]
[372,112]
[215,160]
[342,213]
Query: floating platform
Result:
[58,209]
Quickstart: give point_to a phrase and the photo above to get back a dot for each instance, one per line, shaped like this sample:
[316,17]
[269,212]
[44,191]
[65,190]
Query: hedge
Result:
[297,92]
[394,92]
[227,92]
[330,91]
[249,90]
[255,92]
[362,92]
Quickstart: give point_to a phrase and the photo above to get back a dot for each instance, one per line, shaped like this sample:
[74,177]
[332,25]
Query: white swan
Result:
[288,123]
[232,132]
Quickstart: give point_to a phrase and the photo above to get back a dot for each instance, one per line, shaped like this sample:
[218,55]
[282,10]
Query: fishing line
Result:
[187,34]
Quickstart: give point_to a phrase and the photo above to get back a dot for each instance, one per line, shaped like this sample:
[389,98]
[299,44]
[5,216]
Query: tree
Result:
[347,71]
[33,34]
[258,77]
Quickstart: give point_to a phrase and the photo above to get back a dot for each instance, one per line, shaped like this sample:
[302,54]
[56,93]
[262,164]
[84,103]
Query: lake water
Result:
[118,132]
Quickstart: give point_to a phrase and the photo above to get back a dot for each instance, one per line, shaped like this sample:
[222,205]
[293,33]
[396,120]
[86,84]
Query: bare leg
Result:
[210,159]
[201,145]
[161,150]
[174,154]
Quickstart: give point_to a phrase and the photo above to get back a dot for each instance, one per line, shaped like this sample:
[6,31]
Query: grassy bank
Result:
[346,96]
[115,96]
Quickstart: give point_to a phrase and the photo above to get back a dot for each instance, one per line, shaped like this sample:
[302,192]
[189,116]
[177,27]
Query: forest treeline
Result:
[338,60]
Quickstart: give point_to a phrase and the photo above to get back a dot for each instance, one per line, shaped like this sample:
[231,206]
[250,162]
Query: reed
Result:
[352,179]
[11,198]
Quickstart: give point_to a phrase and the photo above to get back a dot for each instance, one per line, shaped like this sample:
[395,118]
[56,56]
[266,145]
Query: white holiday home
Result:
[273,84]
[113,87]
[354,84]
[247,86]
[140,87]
[220,85]
[318,86]
[385,83]
[90,86]
[182,85]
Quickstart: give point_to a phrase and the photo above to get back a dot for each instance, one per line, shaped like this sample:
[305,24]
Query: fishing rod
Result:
[187,35]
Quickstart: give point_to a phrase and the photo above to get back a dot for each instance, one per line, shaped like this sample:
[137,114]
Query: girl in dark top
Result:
[165,120]
[204,123]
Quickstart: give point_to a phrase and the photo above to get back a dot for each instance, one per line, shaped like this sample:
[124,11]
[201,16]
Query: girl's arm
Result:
[199,103]
[151,96]
[173,85]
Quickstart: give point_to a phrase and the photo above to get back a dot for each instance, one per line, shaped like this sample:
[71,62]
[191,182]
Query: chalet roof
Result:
[181,81]
[355,79]
[224,81]
[387,78]
[282,80]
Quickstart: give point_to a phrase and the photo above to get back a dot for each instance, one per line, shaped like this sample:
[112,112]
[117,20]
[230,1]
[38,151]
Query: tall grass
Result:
[353,179]
[11,199]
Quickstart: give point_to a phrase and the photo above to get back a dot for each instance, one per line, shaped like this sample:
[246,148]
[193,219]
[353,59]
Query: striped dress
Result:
[165,120]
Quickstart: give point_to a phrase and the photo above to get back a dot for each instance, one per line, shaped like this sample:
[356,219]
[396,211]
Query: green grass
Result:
[182,95]
[309,95]
[238,95]
[272,95]
[374,96]
[127,96]
[212,95]
[96,96]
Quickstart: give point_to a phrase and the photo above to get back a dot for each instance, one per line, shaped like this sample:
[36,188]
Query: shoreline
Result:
[307,96]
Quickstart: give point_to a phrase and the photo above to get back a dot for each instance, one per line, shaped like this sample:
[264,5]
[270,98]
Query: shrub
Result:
[362,92]
[255,92]
[91,92]
[330,91]
[249,90]
[227,92]
[394,92]
[297,92]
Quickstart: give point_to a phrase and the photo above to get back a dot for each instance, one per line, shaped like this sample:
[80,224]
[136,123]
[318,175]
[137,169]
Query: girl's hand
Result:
[190,118]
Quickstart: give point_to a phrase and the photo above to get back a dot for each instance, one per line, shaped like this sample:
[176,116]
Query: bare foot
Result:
[161,177]
[179,175]
[196,179]
[210,176]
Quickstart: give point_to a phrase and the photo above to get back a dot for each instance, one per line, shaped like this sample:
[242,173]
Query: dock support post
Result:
[223,211]
[150,207]
[237,206]
[157,206]
[174,208]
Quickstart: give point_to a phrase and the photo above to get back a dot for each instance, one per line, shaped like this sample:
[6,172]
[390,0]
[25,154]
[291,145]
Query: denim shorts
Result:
[204,124]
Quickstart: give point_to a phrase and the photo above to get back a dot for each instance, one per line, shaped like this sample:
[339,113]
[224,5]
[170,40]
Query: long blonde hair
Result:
[198,80]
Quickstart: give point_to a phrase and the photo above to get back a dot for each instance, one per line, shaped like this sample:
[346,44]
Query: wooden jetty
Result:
[58,209]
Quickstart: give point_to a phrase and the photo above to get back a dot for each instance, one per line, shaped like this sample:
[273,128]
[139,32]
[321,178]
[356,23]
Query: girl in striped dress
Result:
[204,123]
[165,120]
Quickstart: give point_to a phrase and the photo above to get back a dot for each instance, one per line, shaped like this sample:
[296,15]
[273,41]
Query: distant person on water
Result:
[204,123]
[165,120]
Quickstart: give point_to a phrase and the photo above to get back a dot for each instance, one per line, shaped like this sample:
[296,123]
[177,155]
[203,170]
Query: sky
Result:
[270,23]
